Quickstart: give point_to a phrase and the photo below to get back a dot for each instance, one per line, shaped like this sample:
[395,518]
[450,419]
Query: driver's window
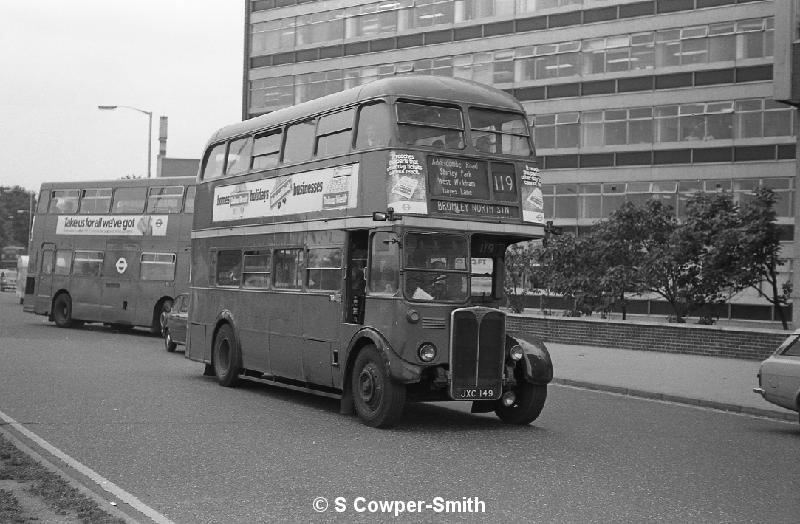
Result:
[384,264]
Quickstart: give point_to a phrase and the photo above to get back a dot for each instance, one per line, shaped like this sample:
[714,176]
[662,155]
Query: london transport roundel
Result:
[122,265]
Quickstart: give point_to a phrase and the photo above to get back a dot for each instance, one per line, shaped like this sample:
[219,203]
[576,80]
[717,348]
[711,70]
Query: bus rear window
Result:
[129,200]
[430,125]
[499,132]
[95,201]
[64,202]
[158,266]
[167,199]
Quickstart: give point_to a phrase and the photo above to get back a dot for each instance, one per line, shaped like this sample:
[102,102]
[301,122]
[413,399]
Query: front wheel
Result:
[378,400]
[62,311]
[527,406]
[227,360]
[169,344]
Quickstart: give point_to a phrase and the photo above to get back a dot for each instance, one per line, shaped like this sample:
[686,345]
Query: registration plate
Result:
[477,393]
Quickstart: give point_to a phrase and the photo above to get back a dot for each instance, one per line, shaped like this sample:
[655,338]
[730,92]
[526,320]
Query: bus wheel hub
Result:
[367,382]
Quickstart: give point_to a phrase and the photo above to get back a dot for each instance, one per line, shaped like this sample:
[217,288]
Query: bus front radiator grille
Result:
[477,351]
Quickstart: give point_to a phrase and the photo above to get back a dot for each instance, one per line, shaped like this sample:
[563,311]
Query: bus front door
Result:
[120,270]
[44,288]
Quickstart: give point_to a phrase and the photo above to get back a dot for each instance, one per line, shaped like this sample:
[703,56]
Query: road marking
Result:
[98,479]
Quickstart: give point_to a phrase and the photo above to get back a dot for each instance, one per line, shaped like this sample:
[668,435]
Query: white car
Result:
[779,375]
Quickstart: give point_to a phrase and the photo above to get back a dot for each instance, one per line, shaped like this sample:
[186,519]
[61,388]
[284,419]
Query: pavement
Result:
[712,382]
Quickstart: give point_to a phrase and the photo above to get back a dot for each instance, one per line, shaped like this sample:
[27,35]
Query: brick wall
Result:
[753,344]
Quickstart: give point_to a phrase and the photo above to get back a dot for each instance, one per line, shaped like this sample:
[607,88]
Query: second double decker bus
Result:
[353,246]
[111,251]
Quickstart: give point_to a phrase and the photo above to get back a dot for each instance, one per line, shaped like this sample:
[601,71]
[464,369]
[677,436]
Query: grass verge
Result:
[42,488]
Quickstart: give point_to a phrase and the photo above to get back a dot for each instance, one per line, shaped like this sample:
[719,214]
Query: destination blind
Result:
[462,187]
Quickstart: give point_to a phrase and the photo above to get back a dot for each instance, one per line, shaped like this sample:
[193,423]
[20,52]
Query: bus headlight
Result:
[427,352]
[516,352]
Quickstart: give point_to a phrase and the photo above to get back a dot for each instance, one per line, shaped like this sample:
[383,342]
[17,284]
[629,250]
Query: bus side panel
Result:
[253,323]
[199,342]
[285,336]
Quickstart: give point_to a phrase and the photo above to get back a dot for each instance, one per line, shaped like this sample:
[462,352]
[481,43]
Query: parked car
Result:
[8,280]
[779,375]
[175,322]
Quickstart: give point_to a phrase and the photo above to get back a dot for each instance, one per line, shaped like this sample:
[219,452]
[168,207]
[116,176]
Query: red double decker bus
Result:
[354,246]
[111,251]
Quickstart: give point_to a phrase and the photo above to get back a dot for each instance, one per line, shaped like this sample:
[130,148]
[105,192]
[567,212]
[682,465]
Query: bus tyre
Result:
[226,358]
[160,317]
[378,400]
[62,311]
[527,407]
[169,344]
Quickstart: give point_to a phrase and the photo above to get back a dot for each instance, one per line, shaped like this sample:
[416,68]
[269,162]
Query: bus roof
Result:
[119,182]
[435,88]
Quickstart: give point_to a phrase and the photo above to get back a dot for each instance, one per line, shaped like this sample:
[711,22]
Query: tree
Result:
[709,240]
[518,262]
[14,216]
[760,240]
[621,244]
[569,267]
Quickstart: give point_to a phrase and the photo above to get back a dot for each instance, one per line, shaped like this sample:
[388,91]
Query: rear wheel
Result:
[160,317]
[62,311]
[227,360]
[378,401]
[527,406]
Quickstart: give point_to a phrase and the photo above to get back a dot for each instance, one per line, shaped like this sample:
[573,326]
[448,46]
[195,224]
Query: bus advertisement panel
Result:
[353,246]
[114,251]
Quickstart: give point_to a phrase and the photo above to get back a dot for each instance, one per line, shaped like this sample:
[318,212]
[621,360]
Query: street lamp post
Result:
[149,131]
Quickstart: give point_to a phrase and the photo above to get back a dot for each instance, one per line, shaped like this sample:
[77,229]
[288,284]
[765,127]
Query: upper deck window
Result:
[299,142]
[335,133]
[499,132]
[129,200]
[64,201]
[95,201]
[167,199]
[267,149]
[373,126]
[214,162]
[239,153]
[430,125]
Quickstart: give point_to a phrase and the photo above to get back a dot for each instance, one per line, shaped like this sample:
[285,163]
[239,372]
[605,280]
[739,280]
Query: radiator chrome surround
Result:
[477,353]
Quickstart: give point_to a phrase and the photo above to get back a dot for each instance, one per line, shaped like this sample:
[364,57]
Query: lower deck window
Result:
[229,268]
[87,263]
[158,266]
[288,272]
[256,271]
[324,269]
